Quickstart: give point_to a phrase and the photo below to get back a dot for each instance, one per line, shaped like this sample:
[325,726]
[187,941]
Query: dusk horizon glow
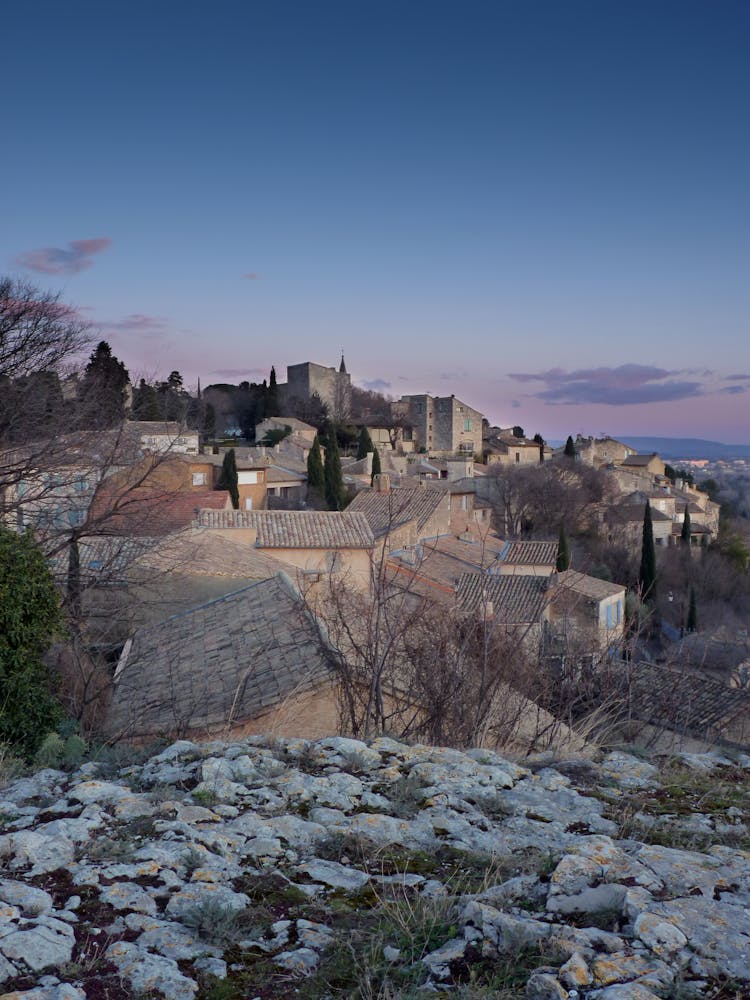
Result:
[542,209]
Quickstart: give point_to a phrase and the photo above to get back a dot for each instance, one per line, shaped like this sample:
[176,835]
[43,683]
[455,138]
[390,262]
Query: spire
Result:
[342,366]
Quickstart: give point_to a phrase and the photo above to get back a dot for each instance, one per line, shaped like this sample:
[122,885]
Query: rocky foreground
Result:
[284,868]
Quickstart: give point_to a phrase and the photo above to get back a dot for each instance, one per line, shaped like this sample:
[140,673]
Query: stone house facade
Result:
[443,423]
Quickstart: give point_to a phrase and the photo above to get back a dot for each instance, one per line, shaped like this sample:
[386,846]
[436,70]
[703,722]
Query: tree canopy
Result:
[29,619]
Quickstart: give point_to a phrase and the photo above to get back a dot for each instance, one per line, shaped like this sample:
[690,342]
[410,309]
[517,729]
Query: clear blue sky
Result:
[541,207]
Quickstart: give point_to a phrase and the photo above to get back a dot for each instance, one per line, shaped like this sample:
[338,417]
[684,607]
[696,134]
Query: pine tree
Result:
[686,528]
[104,386]
[647,571]
[376,470]
[563,551]
[692,618]
[315,474]
[570,448]
[334,478]
[228,478]
[364,443]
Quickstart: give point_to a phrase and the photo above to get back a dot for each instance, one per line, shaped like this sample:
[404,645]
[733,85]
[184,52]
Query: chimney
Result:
[382,483]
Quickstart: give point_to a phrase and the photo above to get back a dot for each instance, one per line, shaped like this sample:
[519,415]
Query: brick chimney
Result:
[382,483]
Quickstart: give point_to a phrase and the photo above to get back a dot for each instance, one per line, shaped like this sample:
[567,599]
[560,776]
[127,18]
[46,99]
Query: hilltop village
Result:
[309,558]
[312,693]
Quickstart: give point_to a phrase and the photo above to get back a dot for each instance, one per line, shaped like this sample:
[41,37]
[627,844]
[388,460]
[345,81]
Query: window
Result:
[609,615]
[518,457]
[333,561]
[248,503]
[199,479]
[76,518]
[82,484]
[467,424]
[619,612]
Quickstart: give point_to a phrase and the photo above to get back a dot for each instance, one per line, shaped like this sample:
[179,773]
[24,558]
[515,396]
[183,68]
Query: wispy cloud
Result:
[56,260]
[515,404]
[737,378]
[136,323]
[251,276]
[376,384]
[734,390]
[622,386]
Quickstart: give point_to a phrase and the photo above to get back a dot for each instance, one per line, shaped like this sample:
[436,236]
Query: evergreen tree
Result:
[364,443]
[334,478]
[228,478]
[570,448]
[104,387]
[692,618]
[647,571]
[540,441]
[563,551]
[272,396]
[315,474]
[518,431]
[29,618]
[686,528]
[376,470]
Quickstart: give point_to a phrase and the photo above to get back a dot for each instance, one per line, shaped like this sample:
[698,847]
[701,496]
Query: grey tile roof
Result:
[296,529]
[529,554]
[586,586]
[516,600]
[385,511]
[199,552]
[218,664]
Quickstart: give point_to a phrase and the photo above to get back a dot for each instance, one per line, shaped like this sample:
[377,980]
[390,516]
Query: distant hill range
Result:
[686,448]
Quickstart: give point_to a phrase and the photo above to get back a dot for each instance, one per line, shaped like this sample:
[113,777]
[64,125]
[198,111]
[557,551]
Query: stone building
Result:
[443,423]
[332,387]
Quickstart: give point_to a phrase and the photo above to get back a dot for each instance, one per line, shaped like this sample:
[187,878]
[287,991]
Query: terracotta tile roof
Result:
[640,460]
[385,511]
[515,600]
[223,662]
[634,512]
[297,529]
[529,554]
[144,511]
[586,586]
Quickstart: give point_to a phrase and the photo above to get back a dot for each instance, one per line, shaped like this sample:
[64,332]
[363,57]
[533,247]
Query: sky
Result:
[542,206]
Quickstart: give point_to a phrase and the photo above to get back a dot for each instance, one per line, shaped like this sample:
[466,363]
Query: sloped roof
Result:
[200,552]
[634,512]
[587,586]
[278,474]
[639,460]
[387,510]
[433,569]
[221,663]
[296,529]
[516,600]
[529,554]
[151,512]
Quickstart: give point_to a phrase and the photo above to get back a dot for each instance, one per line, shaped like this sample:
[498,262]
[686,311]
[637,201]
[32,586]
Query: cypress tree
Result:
[334,478]
[364,443]
[315,474]
[692,618]
[686,528]
[563,551]
[376,470]
[228,478]
[647,571]
[570,448]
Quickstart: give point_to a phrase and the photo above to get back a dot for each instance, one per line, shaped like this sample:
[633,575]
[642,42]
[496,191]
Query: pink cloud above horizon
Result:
[56,260]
